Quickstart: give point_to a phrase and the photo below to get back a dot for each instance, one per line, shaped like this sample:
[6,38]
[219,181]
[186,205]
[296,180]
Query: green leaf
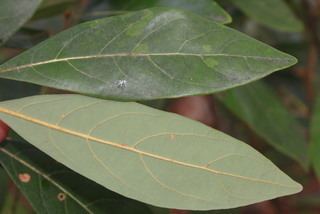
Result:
[10,198]
[50,8]
[13,204]
[52,188]
[13,14]
[258,106]
[4,181]
[315,137]
[149,155]
[20,89]
[272,13]
[47,4]
[206,8]
[154,53]
[229,211]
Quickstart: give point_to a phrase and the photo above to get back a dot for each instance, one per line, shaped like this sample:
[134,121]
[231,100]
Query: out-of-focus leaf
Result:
[150,54]
[12,90]
[207,8]
[10,198]
[51,3]
[13,205]
[13,14]
[159,210]
[4,181]
[315,137]
[52,188]
[229,211]
[166,211]
[273,13]
[146,154]
[52,7]
[259,107]
[26,38]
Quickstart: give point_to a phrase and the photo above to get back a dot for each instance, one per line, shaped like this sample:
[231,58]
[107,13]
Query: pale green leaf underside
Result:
[273,13]
[258,106]
[150,54]
[13,14]
[146,154]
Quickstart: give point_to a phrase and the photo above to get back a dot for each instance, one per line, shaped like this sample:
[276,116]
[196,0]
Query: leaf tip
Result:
[293,60]
[299,187]
[295,188]
[288,60]
[228,19]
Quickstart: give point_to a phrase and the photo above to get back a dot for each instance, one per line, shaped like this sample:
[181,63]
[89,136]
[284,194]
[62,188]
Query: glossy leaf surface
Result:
[150,54]
[146,154]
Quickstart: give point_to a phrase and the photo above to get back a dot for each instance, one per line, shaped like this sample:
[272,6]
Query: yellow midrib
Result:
[134,55]
[131,149]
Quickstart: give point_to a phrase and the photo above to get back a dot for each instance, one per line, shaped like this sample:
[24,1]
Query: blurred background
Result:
[272,115]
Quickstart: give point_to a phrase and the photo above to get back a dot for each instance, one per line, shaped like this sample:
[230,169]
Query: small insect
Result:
[122,84]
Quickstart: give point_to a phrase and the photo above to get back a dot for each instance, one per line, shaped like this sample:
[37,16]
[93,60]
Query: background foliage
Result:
[278,116]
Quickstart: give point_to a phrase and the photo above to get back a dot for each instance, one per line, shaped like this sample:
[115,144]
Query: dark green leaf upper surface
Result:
[259,107]
[146,154]
[273,13]
[13,14]
[52,188]
[150,54]
[4,180]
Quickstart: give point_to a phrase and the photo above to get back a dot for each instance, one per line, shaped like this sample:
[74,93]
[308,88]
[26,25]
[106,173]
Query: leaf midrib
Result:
[134,150]
[138,55]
